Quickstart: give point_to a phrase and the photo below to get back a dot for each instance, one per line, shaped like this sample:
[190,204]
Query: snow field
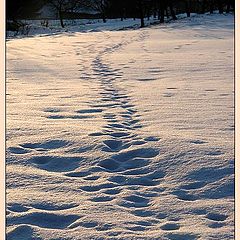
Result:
[122,134]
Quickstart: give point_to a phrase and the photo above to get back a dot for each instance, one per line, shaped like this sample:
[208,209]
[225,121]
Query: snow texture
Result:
[122,134]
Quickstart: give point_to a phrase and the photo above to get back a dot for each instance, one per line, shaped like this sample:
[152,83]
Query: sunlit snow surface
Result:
[122,134]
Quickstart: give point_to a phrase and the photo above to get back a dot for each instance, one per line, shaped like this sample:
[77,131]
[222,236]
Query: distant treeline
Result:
[140,9]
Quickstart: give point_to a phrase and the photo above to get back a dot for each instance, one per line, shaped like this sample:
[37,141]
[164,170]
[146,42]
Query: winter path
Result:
[122,134]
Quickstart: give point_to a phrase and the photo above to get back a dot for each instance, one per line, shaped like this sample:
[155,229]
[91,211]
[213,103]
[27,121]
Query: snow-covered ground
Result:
[122,134]
[37,27]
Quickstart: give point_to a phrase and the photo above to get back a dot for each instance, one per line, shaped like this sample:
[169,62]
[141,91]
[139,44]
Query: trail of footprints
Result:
[128,166]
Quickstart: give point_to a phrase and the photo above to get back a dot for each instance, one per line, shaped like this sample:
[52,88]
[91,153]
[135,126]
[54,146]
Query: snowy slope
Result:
[122,134]
[37,28]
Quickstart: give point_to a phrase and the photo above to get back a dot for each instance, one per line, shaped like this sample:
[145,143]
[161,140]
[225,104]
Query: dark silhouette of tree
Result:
[211,5]
[220,6]
[188,7]
[203,7]
[100,6]
[117,9]
[170,4]
[19,9]
[162,6]
[140,8]
[230,3]
[62,6]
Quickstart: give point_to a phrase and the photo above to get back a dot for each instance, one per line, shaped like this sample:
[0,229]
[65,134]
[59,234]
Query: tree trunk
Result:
[228,6]
[104,18]
[203,10]
[61,18]
[188,8]
[220,6]
[172,12]
[211,6]
[155,9]
[148,13]
[122,14]
[142,22]
[167,12]
[155,13]
[141,14]
[162,15]
[161,11]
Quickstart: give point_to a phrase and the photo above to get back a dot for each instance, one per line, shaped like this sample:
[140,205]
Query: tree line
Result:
[137,9]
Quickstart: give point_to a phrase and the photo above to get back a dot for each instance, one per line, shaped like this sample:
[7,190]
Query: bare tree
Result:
[162,6]
[141,11]
[220,6]
[170,4]
[62,6]
[188,7]
[230,3]
[100,6]
[211,6]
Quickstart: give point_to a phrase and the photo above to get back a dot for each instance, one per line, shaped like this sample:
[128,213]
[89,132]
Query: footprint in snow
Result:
[44,220]
[151,139]
[168,94]
[193,185]
[102,199]
[109,165]
[172,88]
[210,90]
[216,224]
[96,188]
[51,144]
[185,196]
[170,226]
[56,164]
[18,208]
[113,191]
[69,117]
[96,110]
[18,150]
[216,216]
[23,232]
[51,110]
[198,142]
[182,236]
[47,206]
[215,153]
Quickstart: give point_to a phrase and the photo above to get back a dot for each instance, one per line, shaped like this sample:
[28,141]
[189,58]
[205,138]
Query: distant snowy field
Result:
[36,27]
[122,134]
